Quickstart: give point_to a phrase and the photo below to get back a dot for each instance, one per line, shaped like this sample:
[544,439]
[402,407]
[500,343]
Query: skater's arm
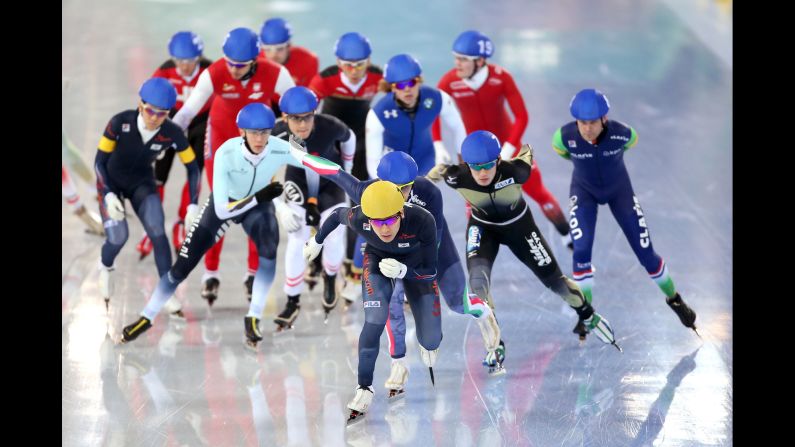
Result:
[522,164]
[341,215]
[348,149]
[106,146]
[188,157]
[426,269]
[451,121]
[558,146]
[518,110]
[195,102]
[633,139]
[352,186]
[374,143]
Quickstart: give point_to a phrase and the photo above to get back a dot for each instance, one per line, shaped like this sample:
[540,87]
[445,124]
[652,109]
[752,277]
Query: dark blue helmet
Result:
[481,146]
[352,47]
[159,93]
[402,67]
[241,44]
[185,45]
[275,32]
[297,100]
[397,167]
[474,44]
[589,104]
[255,116]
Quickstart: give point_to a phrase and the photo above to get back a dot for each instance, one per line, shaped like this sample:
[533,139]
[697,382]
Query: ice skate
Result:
[253,335]
[210,290]
[359,404]
[286,318]
[132,331]
[396,382]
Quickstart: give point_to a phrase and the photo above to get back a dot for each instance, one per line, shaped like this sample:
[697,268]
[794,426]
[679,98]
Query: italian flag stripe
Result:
[320,165]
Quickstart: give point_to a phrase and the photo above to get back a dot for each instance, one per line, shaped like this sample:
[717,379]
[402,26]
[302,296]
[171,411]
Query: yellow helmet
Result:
[381,199]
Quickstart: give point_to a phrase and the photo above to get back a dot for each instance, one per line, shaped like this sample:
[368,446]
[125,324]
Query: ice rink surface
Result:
[666,67]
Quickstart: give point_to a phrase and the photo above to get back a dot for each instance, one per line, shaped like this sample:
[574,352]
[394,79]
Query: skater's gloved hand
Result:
[311,249]
[312,213]
[442,156]
[269,192]
[114,206]
[437,172]
[190,215]
[391,268]
[507,151]
[287,217]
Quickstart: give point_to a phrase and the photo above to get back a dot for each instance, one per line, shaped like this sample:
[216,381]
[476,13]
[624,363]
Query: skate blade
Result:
[617,347]
[210,300]
[354,418]
[496,371]
[95,233]
[107,304]
[283,328]
[694,330]
[395,395]
[178,315]
[252,345]
[142,257]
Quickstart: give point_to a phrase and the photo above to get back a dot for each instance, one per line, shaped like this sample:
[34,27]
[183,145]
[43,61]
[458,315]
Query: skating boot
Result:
[429,359]
[253,335]
[131,332]
[686,315]
[312,273]
[92,221]
[105,283]
[494,360]
[580,330]
[178,235]
[359,404]
[601,328]
[210,290]
[287,317]
[329,294]
[144,247]
[174,308]
[490,331]
[397,380]
[249,284]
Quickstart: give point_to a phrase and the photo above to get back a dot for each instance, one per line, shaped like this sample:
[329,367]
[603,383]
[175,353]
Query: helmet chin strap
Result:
[251,72]
[476,70]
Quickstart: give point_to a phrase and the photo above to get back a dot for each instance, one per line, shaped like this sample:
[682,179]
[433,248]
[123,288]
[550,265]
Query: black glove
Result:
[312,214]
[269,192]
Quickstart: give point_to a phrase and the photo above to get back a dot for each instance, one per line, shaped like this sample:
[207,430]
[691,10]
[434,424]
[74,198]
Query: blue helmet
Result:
[297,100]
[185,45]
[473,43]
[481,146]
[275,32]
[397,167]
[589,104]
[402,68]
[352,47]
[255,116]
[159,93]
[241,44]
